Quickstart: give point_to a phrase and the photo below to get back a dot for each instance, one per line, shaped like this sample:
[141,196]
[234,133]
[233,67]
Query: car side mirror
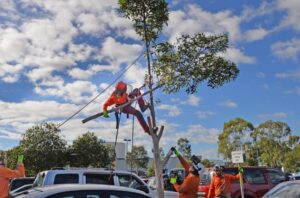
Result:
[144,188]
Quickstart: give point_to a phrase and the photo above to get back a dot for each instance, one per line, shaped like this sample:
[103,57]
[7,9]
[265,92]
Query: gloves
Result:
[20,159]
[175,151]
[105,114]
[241,170]
[173,180]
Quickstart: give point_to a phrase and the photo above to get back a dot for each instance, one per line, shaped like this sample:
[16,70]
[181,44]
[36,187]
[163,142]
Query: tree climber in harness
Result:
[120,96]
[189,187]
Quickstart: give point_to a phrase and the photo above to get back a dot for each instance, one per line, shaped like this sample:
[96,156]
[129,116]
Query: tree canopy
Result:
[43,148]
[88,150]
[138,158]
[193,60]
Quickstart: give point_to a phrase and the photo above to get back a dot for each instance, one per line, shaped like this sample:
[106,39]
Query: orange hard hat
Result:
[121,86]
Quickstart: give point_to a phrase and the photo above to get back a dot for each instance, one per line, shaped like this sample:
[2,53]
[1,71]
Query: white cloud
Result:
[13,45]
[286,50]
[277,115]
[173,111]
[293,91]
[294,74]
[183,22]
[199,134]
[237,56]
[255,34]
[192,100]
[291,8]
[114,51]
[204,114]
[136,75]
[229,104]
[261,75]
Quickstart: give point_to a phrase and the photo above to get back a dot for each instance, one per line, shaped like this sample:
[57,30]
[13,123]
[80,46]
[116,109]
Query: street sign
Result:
[237,157]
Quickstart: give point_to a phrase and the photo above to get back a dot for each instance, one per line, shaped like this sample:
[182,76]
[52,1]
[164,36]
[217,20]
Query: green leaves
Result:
[193,60]
[137,157]
[184,147]
[148,16]
[88,150]
[234,136]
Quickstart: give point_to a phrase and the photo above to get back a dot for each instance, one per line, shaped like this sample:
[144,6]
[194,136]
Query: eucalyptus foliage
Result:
[193,60]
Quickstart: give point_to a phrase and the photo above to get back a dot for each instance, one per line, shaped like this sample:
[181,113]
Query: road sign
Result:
[237,157]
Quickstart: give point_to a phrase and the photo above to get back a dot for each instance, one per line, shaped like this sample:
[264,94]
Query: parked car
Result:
[82,191]
[257,181]
[19,182]
[167,192]
[285,190]
[295,176]
[90,176]
[20,189]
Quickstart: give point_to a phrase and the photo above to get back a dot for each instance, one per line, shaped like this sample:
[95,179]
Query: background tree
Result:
[206,163]
[272,139]
[138,158]
[185,64]
[12,156]
[292,160]
[150,170]
[235,136]
[43,148]
[184,147]
[88,150]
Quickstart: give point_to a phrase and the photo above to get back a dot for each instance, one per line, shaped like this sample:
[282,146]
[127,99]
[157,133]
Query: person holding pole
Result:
[6,174]
[220,186]
[189,187]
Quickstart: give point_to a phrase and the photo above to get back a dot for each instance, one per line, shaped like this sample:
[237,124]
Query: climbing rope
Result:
[113,82]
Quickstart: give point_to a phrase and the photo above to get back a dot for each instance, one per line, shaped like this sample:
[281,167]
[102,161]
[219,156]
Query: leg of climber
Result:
[130,110]
[135,93]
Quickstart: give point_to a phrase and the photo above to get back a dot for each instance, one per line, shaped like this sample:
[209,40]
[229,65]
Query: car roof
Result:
[77,187]
[87,170]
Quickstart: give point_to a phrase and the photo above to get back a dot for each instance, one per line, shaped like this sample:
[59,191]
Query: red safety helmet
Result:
[121,86]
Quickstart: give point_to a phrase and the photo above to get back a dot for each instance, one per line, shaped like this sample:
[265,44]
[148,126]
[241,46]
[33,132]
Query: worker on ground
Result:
[189,187]
[6,174]
[220,186]
[120,97]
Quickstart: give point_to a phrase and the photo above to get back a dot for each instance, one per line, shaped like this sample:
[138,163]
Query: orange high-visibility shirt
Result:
[113,99]
[189,187]
[5,175]
[218,182]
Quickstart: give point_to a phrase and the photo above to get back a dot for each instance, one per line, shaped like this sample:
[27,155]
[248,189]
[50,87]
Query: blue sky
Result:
[55,56]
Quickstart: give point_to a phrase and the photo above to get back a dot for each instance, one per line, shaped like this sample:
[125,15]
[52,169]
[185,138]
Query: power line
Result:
[113,82]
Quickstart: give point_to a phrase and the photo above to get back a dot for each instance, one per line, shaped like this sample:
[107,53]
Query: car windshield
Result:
[38,180]
[281,188]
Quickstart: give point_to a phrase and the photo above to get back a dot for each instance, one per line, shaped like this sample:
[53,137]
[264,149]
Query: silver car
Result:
[82,191]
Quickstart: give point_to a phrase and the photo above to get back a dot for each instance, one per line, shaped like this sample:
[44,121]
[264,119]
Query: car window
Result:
[66,179]
[99,179]
[17,183]
[79,194]
[129,181]
[276,177]
[255,176]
